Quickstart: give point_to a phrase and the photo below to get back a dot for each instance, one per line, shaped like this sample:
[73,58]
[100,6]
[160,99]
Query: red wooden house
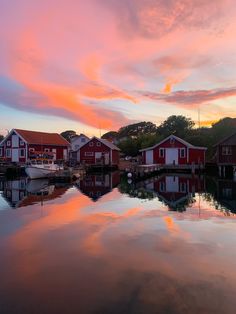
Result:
[174,151]
[98,151]
[22,145]
[226,154]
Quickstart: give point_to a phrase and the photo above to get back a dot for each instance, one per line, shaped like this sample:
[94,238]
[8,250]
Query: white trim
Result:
[112,146]
[177,139]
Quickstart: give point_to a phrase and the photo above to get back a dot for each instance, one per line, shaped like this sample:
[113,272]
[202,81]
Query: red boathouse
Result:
[98,151]
[22,145]
[174,151]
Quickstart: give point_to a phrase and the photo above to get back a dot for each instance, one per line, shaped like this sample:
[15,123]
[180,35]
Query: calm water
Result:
[105,245]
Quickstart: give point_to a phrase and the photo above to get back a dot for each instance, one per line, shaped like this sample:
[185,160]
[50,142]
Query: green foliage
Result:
[177,125]
[68,134]
[137,129]
[110,134]
[1,137]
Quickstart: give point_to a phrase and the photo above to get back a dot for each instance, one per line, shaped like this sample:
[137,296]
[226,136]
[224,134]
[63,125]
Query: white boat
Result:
[42,168]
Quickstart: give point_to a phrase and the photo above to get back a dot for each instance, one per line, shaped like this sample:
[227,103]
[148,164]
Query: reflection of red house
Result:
[226,194]
[20,145]
[174,190]
[18,193]
[173,151]
[97,185]
[99,152]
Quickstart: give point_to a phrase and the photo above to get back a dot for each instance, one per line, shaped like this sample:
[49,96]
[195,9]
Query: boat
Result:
[42,168]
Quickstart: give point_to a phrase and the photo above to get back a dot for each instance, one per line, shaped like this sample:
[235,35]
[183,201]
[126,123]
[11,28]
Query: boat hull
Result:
[38,173]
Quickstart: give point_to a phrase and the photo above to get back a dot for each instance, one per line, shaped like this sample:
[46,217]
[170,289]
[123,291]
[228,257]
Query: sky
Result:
[97,65]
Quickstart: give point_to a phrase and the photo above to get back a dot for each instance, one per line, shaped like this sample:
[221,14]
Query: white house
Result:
[76,142]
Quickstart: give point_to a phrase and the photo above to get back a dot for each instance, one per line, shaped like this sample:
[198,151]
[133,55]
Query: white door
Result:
[54,151]
[149,157]
[172,184]
[15,155]
[106,158]
[172,156]
[65,154]
[15,141]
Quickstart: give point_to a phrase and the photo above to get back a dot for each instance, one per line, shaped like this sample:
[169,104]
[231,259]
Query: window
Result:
[22,152]
[183,187]
[83,140]
[47,150]
[1,152]
[162,152]
[226,150]
[98,143]
[182,153]
[76,146]
[21,143]
[88,154]
[8,152]
[91,144]
[32,150]
[8,143]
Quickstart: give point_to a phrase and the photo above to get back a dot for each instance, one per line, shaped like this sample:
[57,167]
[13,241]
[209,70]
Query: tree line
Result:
[130,139]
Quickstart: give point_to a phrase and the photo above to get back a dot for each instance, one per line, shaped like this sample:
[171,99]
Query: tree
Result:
[223,128]
[177,125]
[137,129]
[68,134]
[1,137]
[110,135]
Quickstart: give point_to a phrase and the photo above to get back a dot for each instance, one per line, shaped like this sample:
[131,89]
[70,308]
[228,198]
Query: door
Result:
[172,184]
[172,156]
[15,155]
[106,158]
[15,141]
[98,158]
[54,151]
[149,157]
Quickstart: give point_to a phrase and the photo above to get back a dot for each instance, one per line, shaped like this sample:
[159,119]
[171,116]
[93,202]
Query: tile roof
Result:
[33,137]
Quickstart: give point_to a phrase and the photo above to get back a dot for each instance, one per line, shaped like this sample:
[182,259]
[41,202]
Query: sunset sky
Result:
[102,64]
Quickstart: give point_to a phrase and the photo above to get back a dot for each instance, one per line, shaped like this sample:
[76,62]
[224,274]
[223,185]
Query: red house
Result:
[174,151]
[98,151]
[22,145]
[226,154]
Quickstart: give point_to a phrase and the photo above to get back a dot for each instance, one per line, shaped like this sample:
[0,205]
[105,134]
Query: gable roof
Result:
[229,140]
[177,139]
[105,142]
[35,137]
[79,136]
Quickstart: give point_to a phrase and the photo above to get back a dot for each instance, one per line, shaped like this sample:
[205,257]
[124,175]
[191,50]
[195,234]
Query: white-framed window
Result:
[8,152]
[47,150]
[1,151]
[162,152]
[8,143]
[226,150]
[22,152]
[31,150]
[83,139]
[90,144]
[182,152]
[89,154]
[21,143]
[98,143]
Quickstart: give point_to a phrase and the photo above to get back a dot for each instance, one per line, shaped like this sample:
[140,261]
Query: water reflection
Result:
[23,192]
[97,185]
[120,254]
[178,191]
